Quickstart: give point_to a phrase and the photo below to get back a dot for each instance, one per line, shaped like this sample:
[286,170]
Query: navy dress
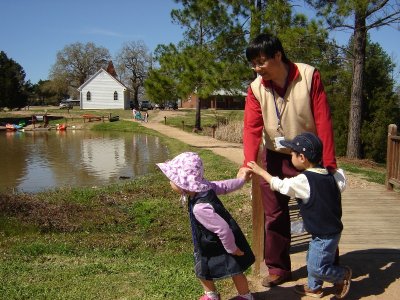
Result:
[210,257]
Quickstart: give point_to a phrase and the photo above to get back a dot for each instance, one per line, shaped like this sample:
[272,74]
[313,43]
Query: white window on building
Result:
[115,95]
[88,96]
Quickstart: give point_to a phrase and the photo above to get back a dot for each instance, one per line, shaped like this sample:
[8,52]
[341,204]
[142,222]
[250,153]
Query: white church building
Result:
[104,91]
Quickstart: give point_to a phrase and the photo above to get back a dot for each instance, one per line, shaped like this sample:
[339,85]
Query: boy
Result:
[319,197]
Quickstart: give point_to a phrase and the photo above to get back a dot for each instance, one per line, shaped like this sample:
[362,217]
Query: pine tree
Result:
[13,88]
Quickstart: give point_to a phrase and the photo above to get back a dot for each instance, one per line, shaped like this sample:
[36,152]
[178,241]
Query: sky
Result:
[33,31]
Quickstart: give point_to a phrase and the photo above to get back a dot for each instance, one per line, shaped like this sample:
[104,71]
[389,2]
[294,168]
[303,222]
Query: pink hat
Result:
[186,171]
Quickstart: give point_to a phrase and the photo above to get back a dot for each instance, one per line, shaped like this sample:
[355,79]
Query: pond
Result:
[34,161]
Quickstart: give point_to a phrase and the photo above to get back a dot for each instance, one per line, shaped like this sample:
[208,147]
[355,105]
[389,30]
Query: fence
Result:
[393,158]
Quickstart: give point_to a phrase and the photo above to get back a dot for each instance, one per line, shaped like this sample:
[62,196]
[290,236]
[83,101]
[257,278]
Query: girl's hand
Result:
[238,252]
[244,173]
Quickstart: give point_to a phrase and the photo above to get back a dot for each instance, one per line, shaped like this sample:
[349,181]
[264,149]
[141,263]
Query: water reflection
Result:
[38,160]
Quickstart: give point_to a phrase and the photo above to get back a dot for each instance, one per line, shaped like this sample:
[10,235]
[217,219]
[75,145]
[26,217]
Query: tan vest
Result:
[294,108]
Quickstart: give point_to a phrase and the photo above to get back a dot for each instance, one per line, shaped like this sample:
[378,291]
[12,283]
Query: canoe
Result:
[61,127]
[12,127]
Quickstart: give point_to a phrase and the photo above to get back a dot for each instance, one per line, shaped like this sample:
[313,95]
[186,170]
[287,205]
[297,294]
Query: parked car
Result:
[172,105]
[65,105]
[159,106]
[145,105]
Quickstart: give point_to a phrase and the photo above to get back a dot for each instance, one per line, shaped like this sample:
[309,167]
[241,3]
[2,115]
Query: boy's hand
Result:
[238,252]
[244,173]
[254,167]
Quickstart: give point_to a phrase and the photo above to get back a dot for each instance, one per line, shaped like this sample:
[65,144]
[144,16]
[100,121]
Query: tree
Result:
[210,57]
[365,15]
[14,90]
[380,106]
[162,83]
[134,62]
[76,62]
[44,92]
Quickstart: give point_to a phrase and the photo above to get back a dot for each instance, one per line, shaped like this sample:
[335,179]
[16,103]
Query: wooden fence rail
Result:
[393,158]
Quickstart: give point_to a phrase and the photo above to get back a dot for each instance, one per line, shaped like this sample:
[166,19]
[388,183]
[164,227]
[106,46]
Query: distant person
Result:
[284,100]
[318,194]
[138,115]
[133,113]
[146,116]
[220,248]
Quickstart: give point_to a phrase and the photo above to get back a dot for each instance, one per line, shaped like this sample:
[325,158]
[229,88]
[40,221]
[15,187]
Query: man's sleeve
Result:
[252,129]
[323,121]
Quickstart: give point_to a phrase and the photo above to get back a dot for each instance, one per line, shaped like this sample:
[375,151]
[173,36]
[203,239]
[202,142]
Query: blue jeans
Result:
[320,259]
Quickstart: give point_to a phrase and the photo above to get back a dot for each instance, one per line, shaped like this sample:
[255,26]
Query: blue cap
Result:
[308,144]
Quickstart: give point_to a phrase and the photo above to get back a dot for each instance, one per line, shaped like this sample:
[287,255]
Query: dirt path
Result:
[232,151]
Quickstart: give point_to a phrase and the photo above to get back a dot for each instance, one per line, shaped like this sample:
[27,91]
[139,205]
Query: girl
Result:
[220,247]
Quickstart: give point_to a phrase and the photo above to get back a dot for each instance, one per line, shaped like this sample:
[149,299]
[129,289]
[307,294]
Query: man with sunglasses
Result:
[286,99]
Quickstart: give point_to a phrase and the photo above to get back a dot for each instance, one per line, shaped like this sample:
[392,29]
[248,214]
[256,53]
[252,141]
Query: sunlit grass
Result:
[365,173]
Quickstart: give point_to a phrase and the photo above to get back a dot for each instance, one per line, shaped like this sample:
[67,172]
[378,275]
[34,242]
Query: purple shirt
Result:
[205,214]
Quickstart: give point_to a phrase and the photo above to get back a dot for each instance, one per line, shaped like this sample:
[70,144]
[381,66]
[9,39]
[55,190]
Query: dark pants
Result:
[276,211]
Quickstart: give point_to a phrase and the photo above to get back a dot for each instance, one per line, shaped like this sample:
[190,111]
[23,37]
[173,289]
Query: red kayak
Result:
[61,127]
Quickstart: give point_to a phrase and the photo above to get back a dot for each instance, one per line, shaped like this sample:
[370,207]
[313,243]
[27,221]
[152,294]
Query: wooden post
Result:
[183,125]
[390,156]
[258,231]
[165,120]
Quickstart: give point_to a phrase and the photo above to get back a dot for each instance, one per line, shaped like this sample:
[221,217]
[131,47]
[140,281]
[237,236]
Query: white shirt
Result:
[298,186]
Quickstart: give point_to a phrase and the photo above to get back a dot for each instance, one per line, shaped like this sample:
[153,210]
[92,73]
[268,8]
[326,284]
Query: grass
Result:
[123,241]
[209,118]
[377,176]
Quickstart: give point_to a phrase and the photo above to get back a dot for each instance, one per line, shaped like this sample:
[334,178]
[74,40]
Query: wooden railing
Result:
[393,158]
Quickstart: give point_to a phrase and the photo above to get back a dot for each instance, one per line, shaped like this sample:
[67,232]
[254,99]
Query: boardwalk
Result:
[370,241]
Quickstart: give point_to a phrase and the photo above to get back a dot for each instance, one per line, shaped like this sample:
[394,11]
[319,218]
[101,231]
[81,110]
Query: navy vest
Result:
[323,212]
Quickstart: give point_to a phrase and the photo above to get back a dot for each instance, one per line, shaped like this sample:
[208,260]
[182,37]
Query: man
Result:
[286,99]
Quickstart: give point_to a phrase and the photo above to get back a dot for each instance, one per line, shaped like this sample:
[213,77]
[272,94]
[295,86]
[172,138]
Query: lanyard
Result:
[278,113]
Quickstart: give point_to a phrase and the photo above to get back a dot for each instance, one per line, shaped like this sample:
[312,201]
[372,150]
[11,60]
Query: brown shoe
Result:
[306,291]
[343,287]
[273,280]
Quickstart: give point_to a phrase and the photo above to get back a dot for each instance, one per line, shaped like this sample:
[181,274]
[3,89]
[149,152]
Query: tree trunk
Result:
[197,125]
[136,97]
[255,25]
[356,101]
